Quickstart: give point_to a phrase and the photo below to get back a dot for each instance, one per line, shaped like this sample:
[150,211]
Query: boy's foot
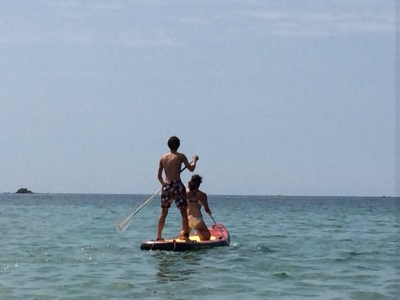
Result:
[186,236]
[159,239]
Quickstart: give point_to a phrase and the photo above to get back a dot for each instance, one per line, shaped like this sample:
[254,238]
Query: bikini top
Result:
[194,198]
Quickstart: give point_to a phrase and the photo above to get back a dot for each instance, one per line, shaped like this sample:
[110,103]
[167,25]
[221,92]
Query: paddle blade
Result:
[122,224]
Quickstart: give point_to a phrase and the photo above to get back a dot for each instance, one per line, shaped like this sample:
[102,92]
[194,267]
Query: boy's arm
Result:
[190,166]
[159,173]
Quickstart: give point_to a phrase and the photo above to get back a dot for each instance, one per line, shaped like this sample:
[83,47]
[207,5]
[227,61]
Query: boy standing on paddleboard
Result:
[172,187]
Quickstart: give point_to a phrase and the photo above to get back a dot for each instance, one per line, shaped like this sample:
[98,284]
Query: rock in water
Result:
[24,191]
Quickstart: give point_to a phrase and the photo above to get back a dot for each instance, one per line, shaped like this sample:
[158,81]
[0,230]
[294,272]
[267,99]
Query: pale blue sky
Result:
[290,97]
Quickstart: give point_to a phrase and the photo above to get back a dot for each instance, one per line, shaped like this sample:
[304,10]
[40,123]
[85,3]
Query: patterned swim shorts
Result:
[173,191]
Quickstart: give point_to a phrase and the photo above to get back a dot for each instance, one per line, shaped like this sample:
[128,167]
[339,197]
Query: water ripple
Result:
[297,248]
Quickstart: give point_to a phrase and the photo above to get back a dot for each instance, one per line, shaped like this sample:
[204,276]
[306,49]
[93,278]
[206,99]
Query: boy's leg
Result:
[185,223]
[182,232]
[161,221]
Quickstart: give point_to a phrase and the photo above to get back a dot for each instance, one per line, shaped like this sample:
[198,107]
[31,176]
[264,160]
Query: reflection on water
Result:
[176,266]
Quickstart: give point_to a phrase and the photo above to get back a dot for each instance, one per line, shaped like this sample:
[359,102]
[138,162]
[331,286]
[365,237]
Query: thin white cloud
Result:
[314,18]
[86,24]
[197,21]
[86,5]
[154,41]
[322,23]
[89,23]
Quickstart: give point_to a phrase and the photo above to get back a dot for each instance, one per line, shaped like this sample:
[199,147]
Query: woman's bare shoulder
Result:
[202,194]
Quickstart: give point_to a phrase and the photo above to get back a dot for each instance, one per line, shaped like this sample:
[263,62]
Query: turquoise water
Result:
[64,246]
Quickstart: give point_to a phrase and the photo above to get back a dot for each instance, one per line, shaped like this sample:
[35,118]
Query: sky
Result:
[275,97]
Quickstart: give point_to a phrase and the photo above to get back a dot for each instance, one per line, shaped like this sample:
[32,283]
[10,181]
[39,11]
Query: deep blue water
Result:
[64,246]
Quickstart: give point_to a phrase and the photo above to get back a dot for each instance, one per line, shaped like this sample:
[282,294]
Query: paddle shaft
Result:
[122,225]
[140,207]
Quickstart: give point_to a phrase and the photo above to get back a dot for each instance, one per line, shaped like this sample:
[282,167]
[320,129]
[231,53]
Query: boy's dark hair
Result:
[195,182]
[174,143]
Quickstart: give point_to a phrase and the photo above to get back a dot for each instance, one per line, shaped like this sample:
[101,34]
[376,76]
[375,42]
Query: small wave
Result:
[359,277]
[393,288]
[123,285]
[90,248]
[369,295]
[153,291]
[336,259]
[366,268]
[238,258]
[235,244]
[353,253]
[265,249]
[276,236]
[318,275]
[350,255]
[282,275]
[346,240]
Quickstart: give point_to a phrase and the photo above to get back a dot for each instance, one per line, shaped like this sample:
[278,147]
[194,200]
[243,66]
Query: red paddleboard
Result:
[219,238]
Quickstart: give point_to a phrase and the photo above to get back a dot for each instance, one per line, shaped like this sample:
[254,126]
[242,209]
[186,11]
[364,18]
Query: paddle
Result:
[123,223]
[220,230]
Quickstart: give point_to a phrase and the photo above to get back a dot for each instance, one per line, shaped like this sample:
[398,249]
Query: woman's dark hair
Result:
[174,143]
[195,182]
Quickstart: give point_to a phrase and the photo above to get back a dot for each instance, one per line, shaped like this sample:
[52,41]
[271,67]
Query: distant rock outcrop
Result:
[24,191]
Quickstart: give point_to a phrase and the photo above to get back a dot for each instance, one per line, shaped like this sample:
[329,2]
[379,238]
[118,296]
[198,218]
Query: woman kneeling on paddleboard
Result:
[196,199]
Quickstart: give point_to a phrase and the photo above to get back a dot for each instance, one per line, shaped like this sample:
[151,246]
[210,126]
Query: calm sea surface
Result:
[64,246]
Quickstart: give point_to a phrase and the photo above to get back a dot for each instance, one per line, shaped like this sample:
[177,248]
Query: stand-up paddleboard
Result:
[219,238]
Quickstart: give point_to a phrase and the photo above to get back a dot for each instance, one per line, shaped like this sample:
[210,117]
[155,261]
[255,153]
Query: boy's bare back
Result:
[171,163]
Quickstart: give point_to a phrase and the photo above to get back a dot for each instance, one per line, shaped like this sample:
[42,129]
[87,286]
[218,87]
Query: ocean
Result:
[65,246]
